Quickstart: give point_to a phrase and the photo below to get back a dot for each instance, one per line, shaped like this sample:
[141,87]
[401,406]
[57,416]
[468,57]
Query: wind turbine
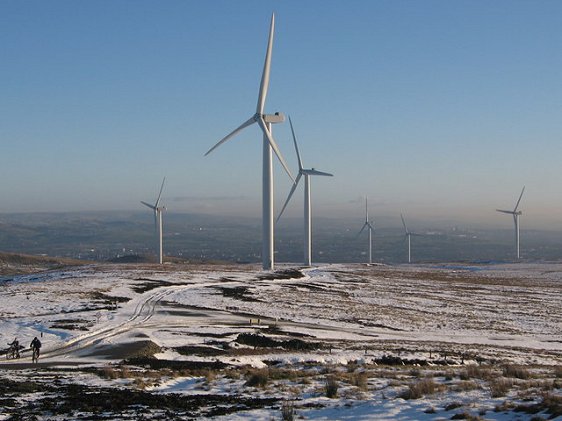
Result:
[265,121]
[307,204]
[408,234]
[371,228]
[158,219]
[516,214]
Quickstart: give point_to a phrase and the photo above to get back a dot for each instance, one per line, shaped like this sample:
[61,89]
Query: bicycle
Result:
[13,353]
[35,355]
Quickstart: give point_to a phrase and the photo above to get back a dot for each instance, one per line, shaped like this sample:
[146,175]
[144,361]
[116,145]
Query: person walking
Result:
[14,351]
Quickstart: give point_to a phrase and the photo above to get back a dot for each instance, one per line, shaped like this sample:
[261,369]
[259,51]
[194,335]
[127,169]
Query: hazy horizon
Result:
[435,216]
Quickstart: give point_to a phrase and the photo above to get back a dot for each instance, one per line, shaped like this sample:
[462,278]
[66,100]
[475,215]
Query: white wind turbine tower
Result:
[516,214]
[158,219]
[371,228]
[307,203]
[265,121]
[408,234]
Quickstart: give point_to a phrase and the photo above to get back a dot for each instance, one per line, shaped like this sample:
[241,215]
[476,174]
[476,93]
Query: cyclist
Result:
[35,347]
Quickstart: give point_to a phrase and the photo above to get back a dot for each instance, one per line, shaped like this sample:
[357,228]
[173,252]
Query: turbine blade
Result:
[266,68]
[247,123]
[290,195]
[404,223]
[160,194]
[296,146]
[266,131]
[362,229]
[149,205]
[316,172]
[505,211]
[366,210]
[520,196]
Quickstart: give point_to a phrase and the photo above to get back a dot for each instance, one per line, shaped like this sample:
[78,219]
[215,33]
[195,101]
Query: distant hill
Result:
[16,263]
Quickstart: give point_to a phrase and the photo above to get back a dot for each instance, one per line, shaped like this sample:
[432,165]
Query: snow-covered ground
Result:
[374,330]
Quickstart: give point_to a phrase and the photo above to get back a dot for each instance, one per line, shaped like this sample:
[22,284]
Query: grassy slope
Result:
[15,263]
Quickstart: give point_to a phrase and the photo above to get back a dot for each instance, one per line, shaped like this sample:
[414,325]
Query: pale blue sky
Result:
[433,108]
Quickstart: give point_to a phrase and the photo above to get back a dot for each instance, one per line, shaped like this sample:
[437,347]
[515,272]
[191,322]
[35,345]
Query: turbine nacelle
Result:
[275,118]
[278,117]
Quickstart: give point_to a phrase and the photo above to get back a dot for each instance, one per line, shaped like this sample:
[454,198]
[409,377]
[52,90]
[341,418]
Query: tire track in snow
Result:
[143,312]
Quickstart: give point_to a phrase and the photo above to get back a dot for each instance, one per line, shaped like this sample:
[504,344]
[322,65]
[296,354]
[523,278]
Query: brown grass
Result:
[288,410]
[453,405]
[500,387]
[257,378]
[550,403]
[466,416]
[140,379]
[544,385]
[331,385]
[465,386]
[421,388]
[475,372]
[17,263]
[119,372]
[109,372]
[287,374]
[415,372]
[210,376]
[360,380]
[553,404]
[516,372]
[504,407]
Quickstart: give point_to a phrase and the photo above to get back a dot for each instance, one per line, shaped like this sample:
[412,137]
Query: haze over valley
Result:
[102,236]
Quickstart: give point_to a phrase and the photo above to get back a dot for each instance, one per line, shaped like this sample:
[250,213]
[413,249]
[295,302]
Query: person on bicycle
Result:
[35,347]
[15,348]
